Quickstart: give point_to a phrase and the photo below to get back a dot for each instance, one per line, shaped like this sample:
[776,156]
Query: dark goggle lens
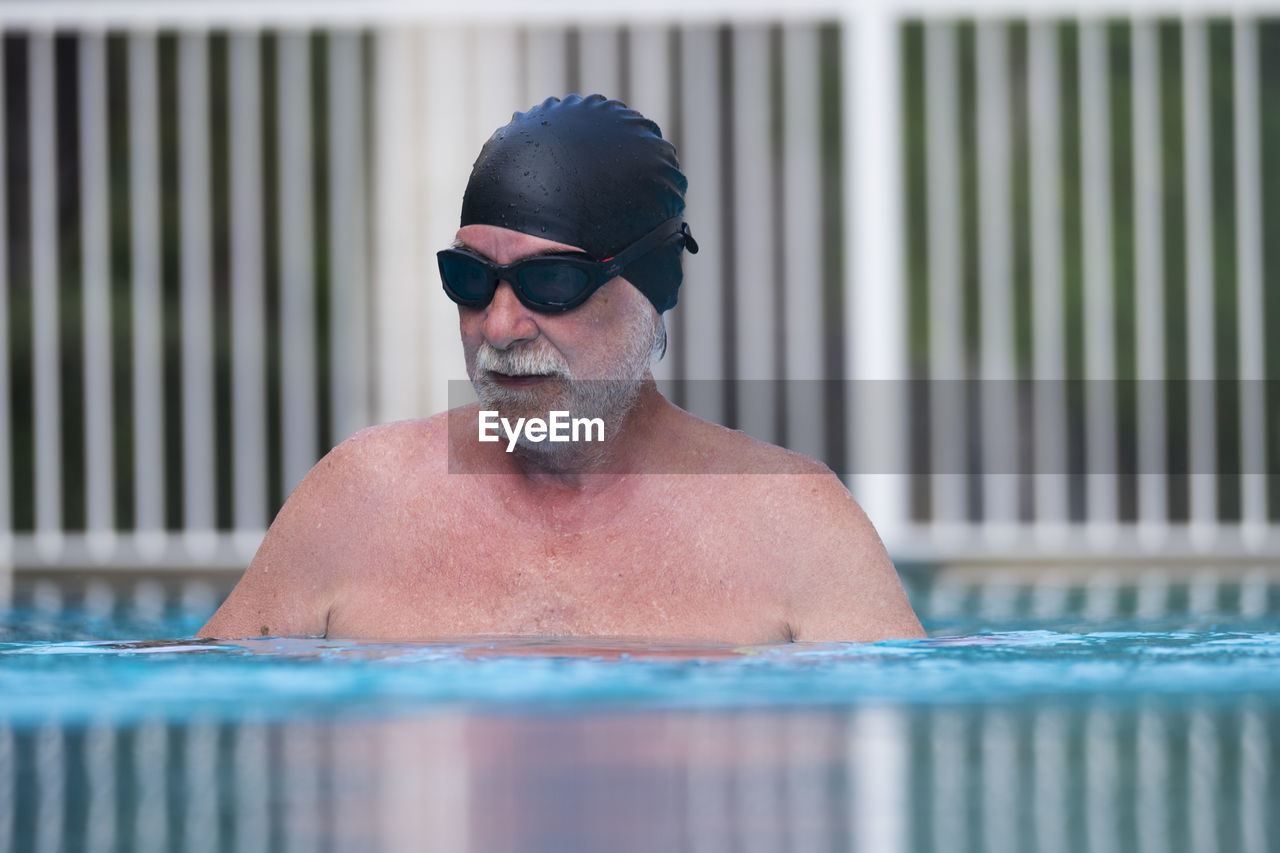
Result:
[548,284]
[466,278]
[553,282]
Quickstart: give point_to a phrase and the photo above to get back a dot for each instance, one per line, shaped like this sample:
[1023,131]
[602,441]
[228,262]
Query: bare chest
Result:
[654,577]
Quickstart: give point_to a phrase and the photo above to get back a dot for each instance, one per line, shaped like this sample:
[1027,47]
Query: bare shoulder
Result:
[842,583]
[363,473]
[811,535]
[385,447]
[709,448]
[291,582]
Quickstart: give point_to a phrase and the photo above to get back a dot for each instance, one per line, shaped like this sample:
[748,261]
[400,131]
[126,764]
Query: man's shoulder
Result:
[387,452]
[394,439]
[781,485]
[715,449]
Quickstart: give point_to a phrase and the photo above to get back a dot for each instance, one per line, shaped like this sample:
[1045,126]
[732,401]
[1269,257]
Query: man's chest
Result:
[671,580]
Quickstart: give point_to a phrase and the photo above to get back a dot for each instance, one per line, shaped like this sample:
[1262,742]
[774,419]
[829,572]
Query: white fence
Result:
[217,250]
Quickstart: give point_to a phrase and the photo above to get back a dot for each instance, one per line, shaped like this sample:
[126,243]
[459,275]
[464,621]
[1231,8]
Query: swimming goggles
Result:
[549,283]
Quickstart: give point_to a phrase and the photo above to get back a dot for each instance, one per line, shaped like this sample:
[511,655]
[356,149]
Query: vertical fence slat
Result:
[1249,305]
[97,313]
[753,242]
[148,357]
[248,325]
[45,286]
[802,238]
[198,481]
[1148,227]
[874,315]
[348,237]
[395,279]
[6,358]
[1200,369]
[445,168]
[995,256]
[702,296]
[496,67]
[546,71]
[598,64]
[298,415]
[946,263]
[1099,312]
[1048,353]
[650,93]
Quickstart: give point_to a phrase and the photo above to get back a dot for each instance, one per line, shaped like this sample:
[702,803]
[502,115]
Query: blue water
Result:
[1052,736]
[109,675]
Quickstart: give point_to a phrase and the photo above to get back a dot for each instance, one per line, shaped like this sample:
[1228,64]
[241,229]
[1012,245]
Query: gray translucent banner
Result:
[969,427]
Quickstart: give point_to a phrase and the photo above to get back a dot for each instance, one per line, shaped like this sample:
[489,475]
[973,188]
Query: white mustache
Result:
[523,361]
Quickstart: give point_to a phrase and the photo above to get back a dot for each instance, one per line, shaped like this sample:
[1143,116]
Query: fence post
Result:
[395,290]
[6,412]
[875,352]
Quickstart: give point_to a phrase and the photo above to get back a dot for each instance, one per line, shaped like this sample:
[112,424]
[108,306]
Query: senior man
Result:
[477,522]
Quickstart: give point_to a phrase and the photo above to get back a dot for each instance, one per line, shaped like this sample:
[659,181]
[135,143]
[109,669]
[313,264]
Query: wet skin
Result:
[382,541]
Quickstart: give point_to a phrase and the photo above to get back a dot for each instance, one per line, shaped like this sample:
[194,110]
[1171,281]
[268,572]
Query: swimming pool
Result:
[1154,734]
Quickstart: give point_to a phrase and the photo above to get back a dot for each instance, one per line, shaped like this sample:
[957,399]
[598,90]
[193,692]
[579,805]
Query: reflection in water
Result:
[1043,777]
[1025,741]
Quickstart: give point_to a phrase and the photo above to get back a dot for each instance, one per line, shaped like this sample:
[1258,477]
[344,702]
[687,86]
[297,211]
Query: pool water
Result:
[1140,737]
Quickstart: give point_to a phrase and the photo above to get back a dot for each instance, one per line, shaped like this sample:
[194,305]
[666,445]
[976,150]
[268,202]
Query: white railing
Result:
[1149,525]
[246,289]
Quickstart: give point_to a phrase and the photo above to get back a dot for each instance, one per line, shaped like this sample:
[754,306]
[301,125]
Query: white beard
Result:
[609,395]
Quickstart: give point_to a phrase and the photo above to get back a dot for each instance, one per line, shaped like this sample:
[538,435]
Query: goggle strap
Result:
[647,243]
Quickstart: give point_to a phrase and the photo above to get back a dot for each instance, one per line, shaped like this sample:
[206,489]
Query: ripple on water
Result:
[286,678]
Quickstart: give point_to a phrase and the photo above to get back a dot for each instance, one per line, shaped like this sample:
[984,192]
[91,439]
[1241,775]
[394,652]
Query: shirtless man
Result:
[659,525]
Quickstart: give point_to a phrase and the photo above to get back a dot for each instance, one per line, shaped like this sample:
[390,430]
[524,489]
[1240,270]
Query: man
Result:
[651,524]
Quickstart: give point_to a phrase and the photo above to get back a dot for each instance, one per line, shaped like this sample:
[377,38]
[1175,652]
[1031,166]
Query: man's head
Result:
[593,174]
[568,253]
[590,361]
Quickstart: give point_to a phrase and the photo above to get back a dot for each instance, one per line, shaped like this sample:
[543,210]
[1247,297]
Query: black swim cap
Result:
[588,172]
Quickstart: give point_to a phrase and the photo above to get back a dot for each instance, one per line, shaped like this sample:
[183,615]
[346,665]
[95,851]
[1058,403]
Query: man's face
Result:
[589,361]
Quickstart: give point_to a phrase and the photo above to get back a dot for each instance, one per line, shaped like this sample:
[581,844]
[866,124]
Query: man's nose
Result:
[506,320]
